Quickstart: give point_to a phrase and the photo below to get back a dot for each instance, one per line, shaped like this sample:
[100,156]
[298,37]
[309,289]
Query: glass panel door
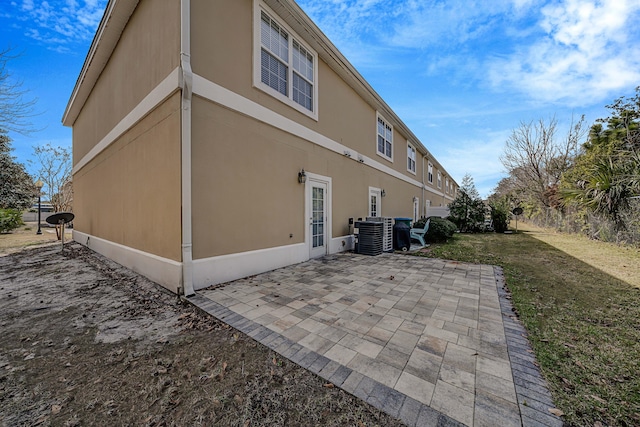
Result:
[318,220]
[375,208]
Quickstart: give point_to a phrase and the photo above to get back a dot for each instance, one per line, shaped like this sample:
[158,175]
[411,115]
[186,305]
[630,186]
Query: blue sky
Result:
[460,73]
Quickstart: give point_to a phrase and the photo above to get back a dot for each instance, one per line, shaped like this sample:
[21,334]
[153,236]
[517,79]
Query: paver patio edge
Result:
[532,392]
[378,395]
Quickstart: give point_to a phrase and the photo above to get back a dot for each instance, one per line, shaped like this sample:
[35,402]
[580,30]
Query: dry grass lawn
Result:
[26,237]
[618,261]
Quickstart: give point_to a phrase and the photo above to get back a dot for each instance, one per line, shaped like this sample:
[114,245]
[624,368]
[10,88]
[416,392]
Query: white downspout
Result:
[424,203]
[186,83]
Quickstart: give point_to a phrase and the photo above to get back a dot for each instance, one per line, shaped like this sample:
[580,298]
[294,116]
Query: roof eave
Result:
[114,20]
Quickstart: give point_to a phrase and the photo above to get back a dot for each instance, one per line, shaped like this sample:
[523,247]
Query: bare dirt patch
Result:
[87,342]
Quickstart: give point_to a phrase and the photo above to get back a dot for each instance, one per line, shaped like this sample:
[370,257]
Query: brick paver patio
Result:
[428,341]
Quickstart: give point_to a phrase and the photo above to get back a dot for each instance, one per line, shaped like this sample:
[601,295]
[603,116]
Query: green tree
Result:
[467,211]
[17,190]
[603,191]
[604,177]
[500,213]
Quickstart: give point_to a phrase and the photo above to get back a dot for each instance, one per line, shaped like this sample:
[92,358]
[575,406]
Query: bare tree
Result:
[55,172]
[536,160]
[15,110]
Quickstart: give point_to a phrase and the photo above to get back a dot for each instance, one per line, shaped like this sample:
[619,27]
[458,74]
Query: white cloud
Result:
[414,23]
[425,23]
[588,51]
[27,5]
[60,22]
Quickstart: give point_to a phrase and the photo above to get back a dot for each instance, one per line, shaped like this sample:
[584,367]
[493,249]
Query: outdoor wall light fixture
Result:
[347,153]
[384,193]
[302,177]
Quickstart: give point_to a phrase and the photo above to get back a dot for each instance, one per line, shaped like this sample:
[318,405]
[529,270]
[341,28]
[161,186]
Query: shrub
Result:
[500,217]
[440,229]
[10,219]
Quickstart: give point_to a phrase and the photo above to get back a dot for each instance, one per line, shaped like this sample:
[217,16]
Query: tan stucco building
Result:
[193,121]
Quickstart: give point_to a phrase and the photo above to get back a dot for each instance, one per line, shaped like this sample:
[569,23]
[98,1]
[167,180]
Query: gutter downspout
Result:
[424,203]
[186,84]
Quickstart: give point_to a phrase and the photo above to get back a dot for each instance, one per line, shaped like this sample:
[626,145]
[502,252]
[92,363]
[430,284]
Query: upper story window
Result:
[283,66]
[385,139]
[446,185]
[439,179]
[430,173]
[411,158]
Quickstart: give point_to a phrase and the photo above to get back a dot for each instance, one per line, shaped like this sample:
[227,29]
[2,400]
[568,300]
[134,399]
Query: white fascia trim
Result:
[163,271]
[436,192]
[166,88]
[231,100]
[225,268]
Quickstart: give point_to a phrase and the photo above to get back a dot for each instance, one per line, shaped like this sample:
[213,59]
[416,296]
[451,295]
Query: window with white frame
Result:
[439,179]
[446,180]
[430,173]
[284,66]
[411,158]
[385,139]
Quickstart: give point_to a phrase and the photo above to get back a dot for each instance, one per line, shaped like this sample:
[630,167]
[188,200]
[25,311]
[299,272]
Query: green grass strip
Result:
[580,303]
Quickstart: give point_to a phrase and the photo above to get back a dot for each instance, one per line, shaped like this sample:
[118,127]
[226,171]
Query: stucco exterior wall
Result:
[222,30]
[148,50]
[244,203]
[130,193]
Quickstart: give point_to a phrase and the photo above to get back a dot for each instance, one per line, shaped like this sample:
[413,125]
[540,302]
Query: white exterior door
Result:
[375,202]
[318,223]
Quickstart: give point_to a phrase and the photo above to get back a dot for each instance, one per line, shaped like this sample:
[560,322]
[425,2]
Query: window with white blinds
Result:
[385,139]
[274,55]
[287,68]
[411,158]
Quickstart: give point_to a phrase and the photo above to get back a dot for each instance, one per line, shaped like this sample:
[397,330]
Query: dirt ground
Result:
[84,341]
